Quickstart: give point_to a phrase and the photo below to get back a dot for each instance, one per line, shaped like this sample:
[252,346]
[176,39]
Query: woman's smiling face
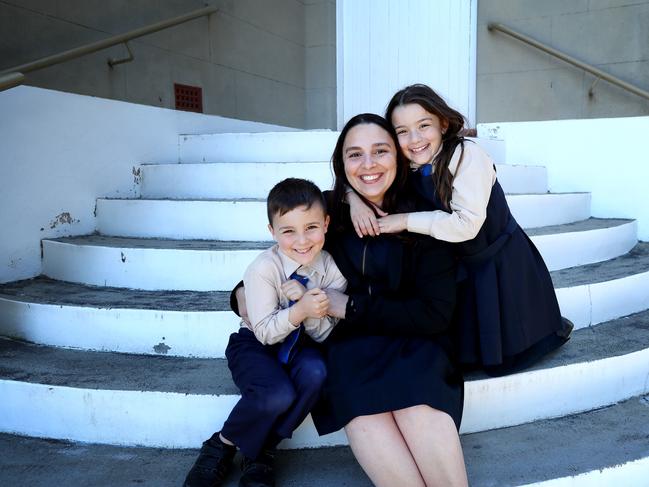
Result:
[370,159]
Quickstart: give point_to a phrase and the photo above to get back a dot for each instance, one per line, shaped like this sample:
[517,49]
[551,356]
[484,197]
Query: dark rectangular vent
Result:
[188,98]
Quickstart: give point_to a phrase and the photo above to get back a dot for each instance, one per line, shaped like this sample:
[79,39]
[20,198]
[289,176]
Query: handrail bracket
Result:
[112,62]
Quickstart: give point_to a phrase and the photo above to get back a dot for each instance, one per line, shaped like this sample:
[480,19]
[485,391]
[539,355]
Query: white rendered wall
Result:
[384,45]
[607,157]
[60,151]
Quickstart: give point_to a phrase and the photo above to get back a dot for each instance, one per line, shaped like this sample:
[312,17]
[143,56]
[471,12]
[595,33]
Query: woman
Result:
[508,315]
[391,381]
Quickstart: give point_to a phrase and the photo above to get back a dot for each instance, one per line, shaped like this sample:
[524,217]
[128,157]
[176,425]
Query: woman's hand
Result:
[337,303]
[393,223]
[363,217]
[241,304]
[293,290]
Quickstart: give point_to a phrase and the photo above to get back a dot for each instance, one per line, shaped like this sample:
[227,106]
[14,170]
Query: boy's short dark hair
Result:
[292,193]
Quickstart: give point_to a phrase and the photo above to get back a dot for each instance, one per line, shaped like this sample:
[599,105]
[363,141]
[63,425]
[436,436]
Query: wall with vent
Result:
[264,60]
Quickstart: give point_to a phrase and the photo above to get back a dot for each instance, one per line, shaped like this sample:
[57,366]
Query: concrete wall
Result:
[320,48]
[265,60]
[602,156]
[61,151]
[517,82]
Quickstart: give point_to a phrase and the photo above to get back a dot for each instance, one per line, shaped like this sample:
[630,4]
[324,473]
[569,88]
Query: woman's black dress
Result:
[392,351]
[507,316]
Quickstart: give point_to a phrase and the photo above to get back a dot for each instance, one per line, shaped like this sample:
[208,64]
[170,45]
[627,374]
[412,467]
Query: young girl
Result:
[508,316]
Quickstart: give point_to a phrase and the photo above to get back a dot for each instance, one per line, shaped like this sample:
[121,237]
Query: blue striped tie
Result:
[289,347]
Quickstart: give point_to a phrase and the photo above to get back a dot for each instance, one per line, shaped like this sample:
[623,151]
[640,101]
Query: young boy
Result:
[278,369]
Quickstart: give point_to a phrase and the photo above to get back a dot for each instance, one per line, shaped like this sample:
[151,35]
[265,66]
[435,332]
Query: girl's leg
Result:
[434,443]
[382,451]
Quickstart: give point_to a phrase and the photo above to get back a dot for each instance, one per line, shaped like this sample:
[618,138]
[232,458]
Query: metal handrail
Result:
[14,76]
[571,60]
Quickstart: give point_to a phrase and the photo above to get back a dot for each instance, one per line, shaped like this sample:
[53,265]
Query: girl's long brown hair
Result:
[425,97]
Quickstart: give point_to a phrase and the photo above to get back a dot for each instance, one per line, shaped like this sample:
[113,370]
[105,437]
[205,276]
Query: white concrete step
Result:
[198,323]
[603,447]
[152,264]
[61,314]
[216,266]
[123,399]
[255,179]
[299,146]
[246,219]
[542,210]
[585,242]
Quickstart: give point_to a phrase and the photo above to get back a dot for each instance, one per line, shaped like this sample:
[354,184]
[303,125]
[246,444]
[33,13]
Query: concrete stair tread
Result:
[42,290]
[636,261]
[546,193]
[189,200]
[161,243]
[549,449]
[612,338]
[176,244]
[115,371]
[580,226]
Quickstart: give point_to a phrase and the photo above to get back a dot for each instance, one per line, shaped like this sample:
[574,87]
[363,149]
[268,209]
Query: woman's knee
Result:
[424,416]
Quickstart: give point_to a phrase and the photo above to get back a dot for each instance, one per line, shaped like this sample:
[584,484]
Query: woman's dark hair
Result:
[394,194]
[451,119]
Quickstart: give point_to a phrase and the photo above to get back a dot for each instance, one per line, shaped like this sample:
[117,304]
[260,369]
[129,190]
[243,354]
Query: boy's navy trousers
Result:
[275,398]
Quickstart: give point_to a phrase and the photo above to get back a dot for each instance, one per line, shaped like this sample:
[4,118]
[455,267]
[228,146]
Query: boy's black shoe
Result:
[213,464]
[259,472]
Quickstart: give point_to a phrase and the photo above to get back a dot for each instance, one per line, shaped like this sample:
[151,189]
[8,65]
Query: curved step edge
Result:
[135,417]
[205,333]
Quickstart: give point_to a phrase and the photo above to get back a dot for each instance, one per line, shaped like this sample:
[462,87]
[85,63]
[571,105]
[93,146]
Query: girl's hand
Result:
[293,290]
[363,217]
[393,223]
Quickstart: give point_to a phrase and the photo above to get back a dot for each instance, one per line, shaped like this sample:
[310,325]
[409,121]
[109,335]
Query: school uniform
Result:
[276,396]
[508,315]
[392,350]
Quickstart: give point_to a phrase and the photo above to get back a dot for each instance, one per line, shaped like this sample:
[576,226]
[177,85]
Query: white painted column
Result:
[384,45]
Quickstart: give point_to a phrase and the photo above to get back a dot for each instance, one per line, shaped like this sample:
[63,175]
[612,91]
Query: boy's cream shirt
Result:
[268,307]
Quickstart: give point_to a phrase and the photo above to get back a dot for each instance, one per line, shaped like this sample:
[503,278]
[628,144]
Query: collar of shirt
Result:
[290,266]
[414,166]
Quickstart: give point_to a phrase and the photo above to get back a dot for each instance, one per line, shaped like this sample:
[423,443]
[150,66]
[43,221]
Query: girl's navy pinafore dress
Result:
[507,315]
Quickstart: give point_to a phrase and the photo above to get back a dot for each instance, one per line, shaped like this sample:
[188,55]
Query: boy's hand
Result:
[393,223]
[293,290]
[314,304]
[363,217]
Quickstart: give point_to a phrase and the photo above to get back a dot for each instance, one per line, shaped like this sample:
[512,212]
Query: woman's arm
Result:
[426,312]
